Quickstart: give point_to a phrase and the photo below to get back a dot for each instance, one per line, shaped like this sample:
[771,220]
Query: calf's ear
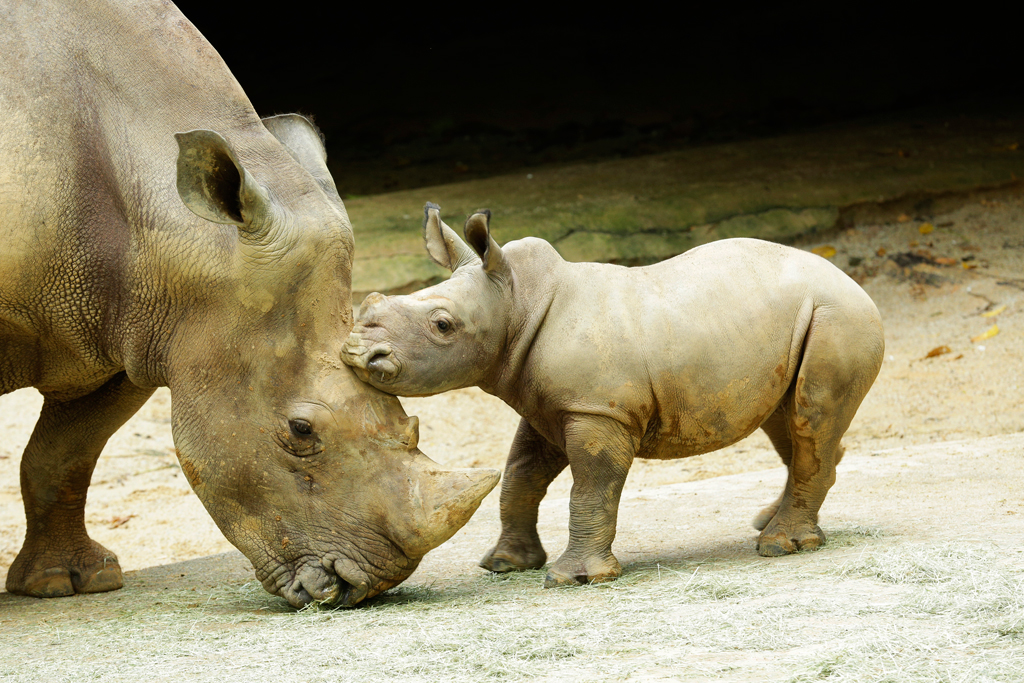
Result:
[478,234]
[443,244]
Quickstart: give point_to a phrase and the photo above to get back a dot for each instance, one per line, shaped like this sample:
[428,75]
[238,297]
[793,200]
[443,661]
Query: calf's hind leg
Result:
[777,429]
[533,463]
[58,557]
[839,364]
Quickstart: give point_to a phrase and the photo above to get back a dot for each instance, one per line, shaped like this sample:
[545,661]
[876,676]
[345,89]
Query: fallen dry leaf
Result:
[120,521]
[938,351]
[903,218]
[880,252]
[1013,146]
[994,312]
[968,266]
[824,251]
[946,261]
[987,334]
[925,228]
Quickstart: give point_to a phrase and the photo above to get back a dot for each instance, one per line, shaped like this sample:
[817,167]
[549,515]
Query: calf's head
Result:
[444,337]
[314,475]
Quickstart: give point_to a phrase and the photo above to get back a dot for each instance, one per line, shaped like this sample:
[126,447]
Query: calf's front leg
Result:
[600,453]
[533,463]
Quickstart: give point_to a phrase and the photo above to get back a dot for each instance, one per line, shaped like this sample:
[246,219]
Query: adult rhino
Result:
[216,262]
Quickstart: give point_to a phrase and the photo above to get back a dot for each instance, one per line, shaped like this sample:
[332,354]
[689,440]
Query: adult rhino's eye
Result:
[300,427]
[443,326]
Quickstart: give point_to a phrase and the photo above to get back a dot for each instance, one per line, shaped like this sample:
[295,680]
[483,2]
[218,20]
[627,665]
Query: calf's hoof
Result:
[580,572]
[781,542]
[502,560]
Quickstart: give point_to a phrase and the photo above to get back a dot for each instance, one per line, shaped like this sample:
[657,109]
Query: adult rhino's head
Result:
[314,475]
[447,336]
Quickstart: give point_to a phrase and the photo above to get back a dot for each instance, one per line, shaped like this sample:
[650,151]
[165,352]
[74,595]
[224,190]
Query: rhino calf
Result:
[606,363]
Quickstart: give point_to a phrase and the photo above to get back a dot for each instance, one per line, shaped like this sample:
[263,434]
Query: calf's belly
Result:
[692,427]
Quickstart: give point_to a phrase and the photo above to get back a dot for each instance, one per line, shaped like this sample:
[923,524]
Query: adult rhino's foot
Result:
[511,557]
[776,541]
[572,571]
[54,573]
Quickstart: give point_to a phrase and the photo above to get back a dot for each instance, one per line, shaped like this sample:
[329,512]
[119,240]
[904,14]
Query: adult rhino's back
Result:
[89,214]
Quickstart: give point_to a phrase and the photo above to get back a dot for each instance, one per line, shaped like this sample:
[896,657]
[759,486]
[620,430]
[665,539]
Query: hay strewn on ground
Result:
[877,610]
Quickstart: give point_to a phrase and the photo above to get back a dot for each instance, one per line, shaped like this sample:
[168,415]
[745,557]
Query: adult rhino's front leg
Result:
[533,463]
[600,453]
[58,557]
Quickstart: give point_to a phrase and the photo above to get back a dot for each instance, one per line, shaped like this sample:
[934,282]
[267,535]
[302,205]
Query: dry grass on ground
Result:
[868,609]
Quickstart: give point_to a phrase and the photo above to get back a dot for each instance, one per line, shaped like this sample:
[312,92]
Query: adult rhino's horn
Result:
[441,502]
[443,244]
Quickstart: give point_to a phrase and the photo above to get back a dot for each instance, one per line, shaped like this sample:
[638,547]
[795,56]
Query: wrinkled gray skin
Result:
[606,363]
[156,232]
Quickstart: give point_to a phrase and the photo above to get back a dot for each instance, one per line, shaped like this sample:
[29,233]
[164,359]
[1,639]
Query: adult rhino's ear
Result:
[213,184]
[443,244]
[305,143]
[478,234]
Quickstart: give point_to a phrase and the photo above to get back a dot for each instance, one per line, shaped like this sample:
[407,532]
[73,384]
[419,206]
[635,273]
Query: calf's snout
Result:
[381,361]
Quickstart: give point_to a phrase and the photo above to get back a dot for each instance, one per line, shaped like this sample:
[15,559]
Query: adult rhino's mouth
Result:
[333,580]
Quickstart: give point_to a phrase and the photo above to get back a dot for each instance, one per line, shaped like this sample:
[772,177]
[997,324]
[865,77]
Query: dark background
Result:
[409,100]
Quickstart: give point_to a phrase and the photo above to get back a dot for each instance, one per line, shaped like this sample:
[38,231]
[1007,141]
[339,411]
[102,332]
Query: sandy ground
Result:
[934,452]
